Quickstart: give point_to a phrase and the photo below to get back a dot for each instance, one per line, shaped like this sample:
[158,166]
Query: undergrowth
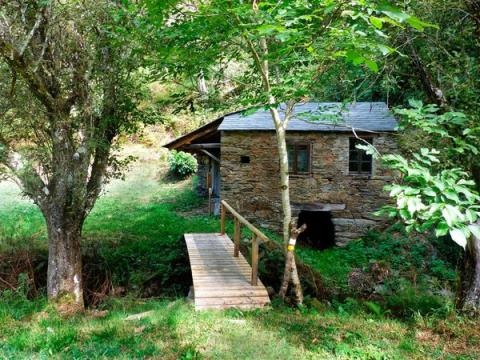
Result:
[400,274]
[133,250]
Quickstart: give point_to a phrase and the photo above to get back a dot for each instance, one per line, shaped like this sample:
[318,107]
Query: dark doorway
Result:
[320,232]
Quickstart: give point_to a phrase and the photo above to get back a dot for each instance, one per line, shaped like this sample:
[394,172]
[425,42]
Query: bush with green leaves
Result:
[438,187]
[431,193]
[182,164]
[446,200]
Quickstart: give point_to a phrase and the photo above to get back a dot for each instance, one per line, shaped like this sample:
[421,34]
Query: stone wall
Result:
[202,173]
[253,187]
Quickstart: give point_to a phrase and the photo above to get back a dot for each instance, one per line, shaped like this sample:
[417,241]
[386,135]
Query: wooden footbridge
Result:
[222,278]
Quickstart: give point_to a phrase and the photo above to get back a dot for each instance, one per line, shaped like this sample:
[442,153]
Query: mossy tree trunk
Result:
[64,275]
[468,300]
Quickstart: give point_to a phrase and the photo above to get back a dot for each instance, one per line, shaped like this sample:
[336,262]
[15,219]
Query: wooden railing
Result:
[257,236]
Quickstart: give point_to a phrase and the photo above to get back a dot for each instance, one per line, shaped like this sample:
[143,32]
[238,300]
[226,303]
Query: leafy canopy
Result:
[299,40]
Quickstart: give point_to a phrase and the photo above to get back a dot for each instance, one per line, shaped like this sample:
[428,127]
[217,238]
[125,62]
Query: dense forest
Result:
[93,209]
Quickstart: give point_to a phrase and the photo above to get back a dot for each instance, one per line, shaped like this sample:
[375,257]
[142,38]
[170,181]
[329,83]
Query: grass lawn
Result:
[136,231]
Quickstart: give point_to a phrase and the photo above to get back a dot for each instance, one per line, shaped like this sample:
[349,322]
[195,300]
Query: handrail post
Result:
[236,238]
[210,191]
[222,218]
[254,260]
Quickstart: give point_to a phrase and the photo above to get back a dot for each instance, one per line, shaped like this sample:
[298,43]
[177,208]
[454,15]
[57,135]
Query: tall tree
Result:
[286,48]
[69,88]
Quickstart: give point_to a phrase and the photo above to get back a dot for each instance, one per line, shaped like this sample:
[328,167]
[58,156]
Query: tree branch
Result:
[31,33]
[17,64]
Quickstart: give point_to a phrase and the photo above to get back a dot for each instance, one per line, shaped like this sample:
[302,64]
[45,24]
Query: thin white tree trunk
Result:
[284,174]
[202,85]
[290,273]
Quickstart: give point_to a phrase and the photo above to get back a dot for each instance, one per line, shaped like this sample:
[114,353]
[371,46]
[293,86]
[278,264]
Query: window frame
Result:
[360,157]
[293,168]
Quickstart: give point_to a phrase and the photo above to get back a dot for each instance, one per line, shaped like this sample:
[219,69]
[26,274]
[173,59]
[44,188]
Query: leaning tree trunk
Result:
[64,274]
[469,294]
[291,273]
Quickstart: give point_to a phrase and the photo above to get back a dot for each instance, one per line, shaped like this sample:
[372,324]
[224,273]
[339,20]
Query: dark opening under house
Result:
[320,231]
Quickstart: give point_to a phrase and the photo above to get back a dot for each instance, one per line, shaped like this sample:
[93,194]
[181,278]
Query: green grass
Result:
[173,330]
[134,236]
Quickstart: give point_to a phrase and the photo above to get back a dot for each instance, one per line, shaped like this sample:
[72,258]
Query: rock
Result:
[99,314]
[139,316]
[360,282]
[139,330]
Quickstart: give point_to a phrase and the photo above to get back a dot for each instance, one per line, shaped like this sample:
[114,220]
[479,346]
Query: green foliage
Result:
[374,308]
[458,133]
[182,164]
[15,304]
[420,270]
[430,196]
[449,55]
[408,300]
[446,200]
[298,39]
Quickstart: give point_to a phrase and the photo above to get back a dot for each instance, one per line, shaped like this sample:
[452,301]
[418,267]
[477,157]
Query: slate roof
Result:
[366,116]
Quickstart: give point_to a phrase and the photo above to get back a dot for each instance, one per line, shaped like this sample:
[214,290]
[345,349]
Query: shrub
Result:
[182,164]
[407,300]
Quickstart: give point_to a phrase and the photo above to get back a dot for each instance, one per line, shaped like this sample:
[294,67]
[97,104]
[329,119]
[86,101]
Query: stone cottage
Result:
[334,186]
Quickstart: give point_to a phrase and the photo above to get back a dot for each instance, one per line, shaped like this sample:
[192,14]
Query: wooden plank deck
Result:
[220,280]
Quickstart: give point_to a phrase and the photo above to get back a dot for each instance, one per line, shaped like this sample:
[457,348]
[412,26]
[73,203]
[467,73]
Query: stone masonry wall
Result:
[202,173]
[253,187]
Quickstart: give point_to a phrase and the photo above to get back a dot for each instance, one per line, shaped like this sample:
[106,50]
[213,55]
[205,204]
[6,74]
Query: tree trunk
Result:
[433,92]
[290,265]
[202,85]
[284,176]
[469,295]
[64,275]
[297,285]
[287,274]
[291,273]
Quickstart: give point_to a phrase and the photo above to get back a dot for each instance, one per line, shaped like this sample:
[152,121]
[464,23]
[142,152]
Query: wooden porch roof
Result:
[205,131]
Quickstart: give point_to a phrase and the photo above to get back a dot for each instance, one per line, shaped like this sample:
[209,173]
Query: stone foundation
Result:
[253,188]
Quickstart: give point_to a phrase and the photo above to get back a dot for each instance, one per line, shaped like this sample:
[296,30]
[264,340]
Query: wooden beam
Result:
[254,260]
[317,207]
[245,222]
[236,238]
[194,135]
[209,154]
[222,219]
[202,146]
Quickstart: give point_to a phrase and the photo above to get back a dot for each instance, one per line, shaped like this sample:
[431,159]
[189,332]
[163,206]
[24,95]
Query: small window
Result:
[299,158]
[245,159]
[359,161]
